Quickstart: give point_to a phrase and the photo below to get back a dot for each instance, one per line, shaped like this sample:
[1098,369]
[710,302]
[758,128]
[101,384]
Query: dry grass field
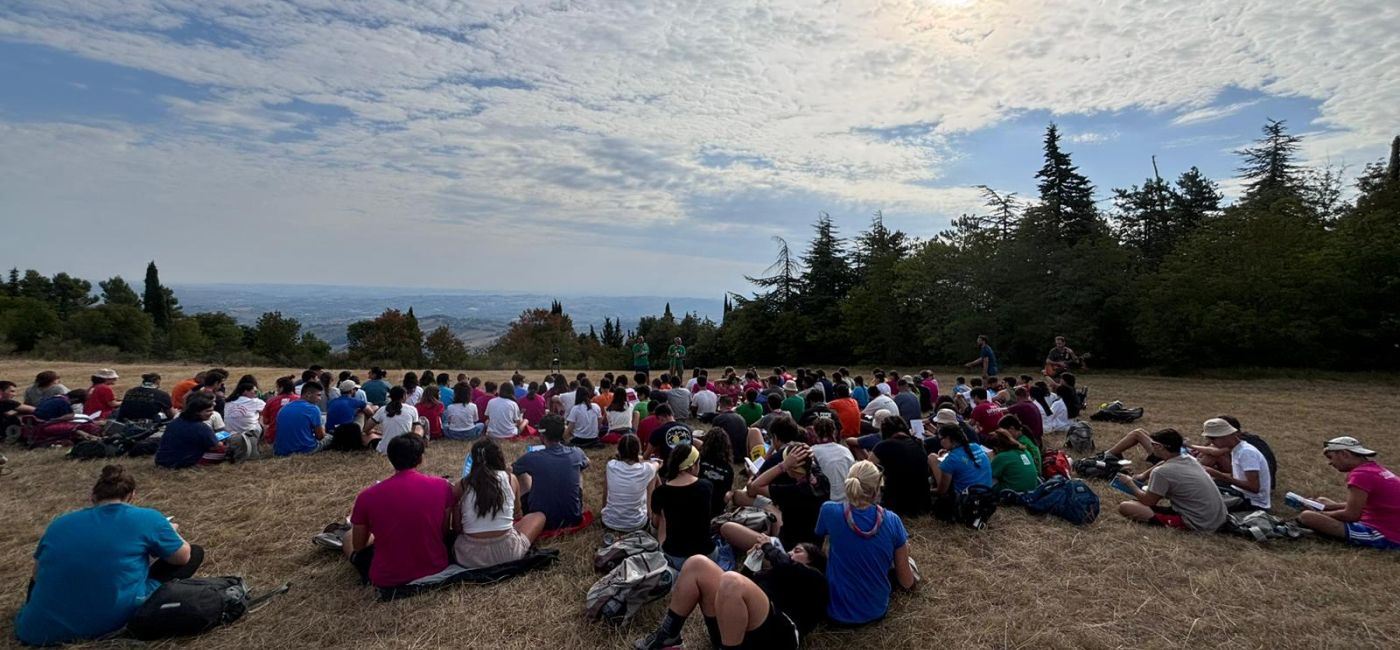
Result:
[1024,582]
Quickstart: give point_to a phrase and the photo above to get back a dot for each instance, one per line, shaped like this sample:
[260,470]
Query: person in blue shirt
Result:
[860,393]
[189,440]
[551,479]
[865,543]
[963,465]
[93,567]
[376,389]
[299,426]
[986,358]
[346,416]
[445,390]
[59,408]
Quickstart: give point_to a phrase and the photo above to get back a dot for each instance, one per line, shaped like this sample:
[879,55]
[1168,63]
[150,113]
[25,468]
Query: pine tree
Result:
[116,291]
[1005,212]
[154,301]
[1066,196]
[1270,167]
[667,315]
[1195,199]
[556,308]
[70,294]
[12,287]
[784,282]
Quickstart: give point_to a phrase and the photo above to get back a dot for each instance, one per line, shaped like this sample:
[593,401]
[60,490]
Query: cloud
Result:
[569,119]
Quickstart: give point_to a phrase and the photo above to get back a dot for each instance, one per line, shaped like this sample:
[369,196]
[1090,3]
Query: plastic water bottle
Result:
[467,465]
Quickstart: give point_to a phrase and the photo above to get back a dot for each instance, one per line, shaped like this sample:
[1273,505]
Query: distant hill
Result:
[477,317]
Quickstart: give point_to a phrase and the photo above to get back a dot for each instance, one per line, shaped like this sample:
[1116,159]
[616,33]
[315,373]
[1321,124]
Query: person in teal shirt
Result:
[376,389]
[93,567]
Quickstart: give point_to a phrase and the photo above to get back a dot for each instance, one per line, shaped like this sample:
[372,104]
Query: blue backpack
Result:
[1066,498]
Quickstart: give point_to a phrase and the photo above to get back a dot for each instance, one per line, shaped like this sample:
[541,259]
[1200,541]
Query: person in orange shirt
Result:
[177,395]
[604,397]
[847,411]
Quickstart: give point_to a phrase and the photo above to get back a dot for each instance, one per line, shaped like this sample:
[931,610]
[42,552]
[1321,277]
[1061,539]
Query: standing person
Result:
[45,385]
[1249,471]
[866,544]
[189,440]
[551,479]
[986,358]
[376,389]
[394,420]
[463,422]
[93,567]
[583,420]
[485,513]
[503,416]
[641,355]
[398,525]
[300,429]
[1370,516]
[627,487]
[676,355]
[102,401]
[147,401]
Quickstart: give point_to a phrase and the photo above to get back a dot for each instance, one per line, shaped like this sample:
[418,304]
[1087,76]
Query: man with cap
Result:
[350,412]
[1249,471]
[1370,516]
[1196,503]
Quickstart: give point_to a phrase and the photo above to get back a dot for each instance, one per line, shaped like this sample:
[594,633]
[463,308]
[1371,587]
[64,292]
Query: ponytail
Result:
[396,397]
[862,484]
[115,483]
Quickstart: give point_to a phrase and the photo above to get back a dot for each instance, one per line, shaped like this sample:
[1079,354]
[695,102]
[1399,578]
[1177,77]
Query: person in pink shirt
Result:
[399,525]
[1370,517]
[931,384]
[533,405]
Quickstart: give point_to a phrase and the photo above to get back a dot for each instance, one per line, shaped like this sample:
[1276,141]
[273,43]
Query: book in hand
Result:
[1120,483]
[1301,502]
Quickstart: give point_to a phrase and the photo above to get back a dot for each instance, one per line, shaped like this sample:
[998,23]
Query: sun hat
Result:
[1217,428]
[105,373]
[1347,443]
[790,386]
[946,417]
[349,386]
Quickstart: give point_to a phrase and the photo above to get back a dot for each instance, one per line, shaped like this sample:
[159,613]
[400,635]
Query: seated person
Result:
[962,465]
[346,416]
[1249,472]
[906,467]
[1370,516]
[1021,433]
[299,427]
[462,421]
[1218,458]
[45,385]
[680,508]
[1196,503]
[485,513]
[1012,466]
[59,408]
[667,433]
[833,457]
[627,487]
[93,567]
[242,411]
[798,499]
[11,408]
[775,609]
[742,439]
[551,479]
[865,545]
[102,401]
[399,524]
[716,467]
[395,419]
[189,440]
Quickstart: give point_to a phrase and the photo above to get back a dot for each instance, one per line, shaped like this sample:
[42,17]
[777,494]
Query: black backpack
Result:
[193,606]
[1266,451]
[1102,466]
[976,506]
[1115,412]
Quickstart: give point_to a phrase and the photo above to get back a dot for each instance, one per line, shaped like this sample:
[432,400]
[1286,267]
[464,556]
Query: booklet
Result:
[1301,502]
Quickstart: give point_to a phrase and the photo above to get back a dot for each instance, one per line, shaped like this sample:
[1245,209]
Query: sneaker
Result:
[655,642]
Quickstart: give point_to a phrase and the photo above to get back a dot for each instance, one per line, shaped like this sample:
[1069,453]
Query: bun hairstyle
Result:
[862,484]
[115,483]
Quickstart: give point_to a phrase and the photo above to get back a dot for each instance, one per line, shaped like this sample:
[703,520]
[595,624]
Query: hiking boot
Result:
[654,641]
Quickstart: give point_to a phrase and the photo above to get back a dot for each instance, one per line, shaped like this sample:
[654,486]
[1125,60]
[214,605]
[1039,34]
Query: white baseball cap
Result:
[1347,443]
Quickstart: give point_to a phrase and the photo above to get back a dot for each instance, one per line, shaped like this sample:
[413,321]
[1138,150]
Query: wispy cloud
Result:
[1210,113]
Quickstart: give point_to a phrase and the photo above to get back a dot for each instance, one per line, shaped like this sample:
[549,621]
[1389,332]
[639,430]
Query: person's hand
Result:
[1326,501]
[796,456]
[1215,473]
[1137,431]
[175,526]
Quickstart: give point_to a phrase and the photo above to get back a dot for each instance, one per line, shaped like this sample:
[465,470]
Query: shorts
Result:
[1162,516]
[477,552]
[1359,534]
[777,632]
[465,434]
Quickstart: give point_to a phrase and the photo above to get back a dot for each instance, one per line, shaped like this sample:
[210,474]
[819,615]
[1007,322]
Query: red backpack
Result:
[1055,463]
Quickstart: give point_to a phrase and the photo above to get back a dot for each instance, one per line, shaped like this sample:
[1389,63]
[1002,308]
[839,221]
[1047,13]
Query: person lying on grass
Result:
[865,545]
[93,567]
[1196,503]
[551,479]
[489,533]
[398,525]
[1370,517]
[774,608]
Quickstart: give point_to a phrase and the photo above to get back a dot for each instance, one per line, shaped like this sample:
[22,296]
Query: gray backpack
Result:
[243,446]
[755,519]
[1080,438]
[1262,526]
[638,580]
[634,543]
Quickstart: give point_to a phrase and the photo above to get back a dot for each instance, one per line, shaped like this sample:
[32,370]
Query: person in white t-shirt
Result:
[704,402]
[880,402]
[1249,472]
[834,458]
[412,391]
[242,410]
[503,416]
[394,420]
[582,421]
[627,487]
[461,421]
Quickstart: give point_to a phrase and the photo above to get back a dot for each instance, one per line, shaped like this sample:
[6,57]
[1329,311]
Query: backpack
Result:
[1104,466]
[1054,463]
[635,543]
[755,519]
[1066,498]
[1080,438]
[243,446]
[976,506]
[1266,451]
[617,596]
[1115,412]
[92,449]
[193,606]
[119,438]
[1261,526]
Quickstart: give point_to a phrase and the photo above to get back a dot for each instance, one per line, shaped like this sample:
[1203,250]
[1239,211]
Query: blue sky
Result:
[587,146]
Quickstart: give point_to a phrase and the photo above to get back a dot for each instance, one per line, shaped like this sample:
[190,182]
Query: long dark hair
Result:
[619,400]
[1039,392]
[396,396]
[716,450]
[583,397]
[1014,424]
[410,381]
[672,468]
[1067,395]
[629,449]
[959,439]
[487,459]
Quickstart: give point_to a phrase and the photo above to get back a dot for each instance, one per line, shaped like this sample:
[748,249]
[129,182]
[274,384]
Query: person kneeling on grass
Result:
[1371,515]
[551,479]
[188,440]
[93,567]
[399,525]
[775,609]
[490,533]
[1196,503]
[865,544]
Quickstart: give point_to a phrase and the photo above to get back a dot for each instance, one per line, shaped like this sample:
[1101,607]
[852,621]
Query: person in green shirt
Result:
[1022,434]
[676,354]
[1012,467]
[794,403]
[641,355]
[750,410]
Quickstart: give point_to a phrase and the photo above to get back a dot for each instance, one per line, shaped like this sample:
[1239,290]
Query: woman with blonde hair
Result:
[864,542]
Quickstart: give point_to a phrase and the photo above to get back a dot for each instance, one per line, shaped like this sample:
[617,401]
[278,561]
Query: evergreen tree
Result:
[667,315]
[276,337]
[1066,196]
[36,286]
[1145,217]
[1004,212]
[70,294]
[826,279]
[12,287]
[1195,199]
[872,316]
[155,299]
[783,282]
[116,291]
[1270,167]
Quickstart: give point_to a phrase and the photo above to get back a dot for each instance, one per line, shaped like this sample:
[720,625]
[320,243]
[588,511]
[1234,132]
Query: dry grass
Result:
[1023,582]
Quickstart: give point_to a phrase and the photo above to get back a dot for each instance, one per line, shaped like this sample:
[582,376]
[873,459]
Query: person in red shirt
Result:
[101,400]
[847,411]
[399,525]
[286,392]
[985,414]
[177,394]
[1027,412]
[431,408]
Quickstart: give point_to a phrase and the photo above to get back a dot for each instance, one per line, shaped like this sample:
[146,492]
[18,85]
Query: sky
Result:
[646,147]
